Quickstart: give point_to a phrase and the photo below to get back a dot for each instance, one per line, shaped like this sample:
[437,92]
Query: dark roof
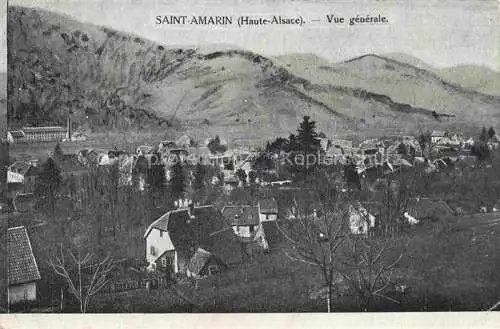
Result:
[206,230]
[429,209]
[438,133]
[271,232]
[198,261]
[22,265]
[24,202]
[268,205]
[241,215]
[22,168]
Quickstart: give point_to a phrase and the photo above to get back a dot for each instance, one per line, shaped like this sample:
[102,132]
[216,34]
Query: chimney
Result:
[69,125]
[190,209]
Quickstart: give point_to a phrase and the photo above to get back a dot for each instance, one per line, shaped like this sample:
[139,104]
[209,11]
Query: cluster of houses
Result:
[202,240]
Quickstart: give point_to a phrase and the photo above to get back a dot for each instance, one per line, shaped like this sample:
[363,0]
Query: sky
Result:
[442,33]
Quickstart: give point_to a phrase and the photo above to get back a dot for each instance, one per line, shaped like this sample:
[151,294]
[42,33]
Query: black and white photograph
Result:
[223,156]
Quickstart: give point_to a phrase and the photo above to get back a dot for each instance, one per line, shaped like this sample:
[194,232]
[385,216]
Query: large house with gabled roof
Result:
[174,239]
[23,272]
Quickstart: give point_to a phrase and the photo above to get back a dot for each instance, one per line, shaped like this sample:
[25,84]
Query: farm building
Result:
[23,202]
[204,263]
[360,220]
[23,271]
[268,210]
[25,173]
[44,134]
[436,135]
[15,136]
[173,239]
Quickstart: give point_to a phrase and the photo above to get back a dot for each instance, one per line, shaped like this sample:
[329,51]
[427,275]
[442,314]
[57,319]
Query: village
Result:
[187,219]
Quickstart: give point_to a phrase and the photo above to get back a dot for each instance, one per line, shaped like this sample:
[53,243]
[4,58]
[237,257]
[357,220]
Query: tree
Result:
[491,132]
[242,175]
[58,155]
[368,268]
[49,182]
[480,150]
[84,279]
[178,180]
[215,146]
[317,240]
[424,139]
[309,143]
[199,176]
[156,173]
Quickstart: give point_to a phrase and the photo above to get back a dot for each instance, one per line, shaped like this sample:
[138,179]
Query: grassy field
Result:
[448,265]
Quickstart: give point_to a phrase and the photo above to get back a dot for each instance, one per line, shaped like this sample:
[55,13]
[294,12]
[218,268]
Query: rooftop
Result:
[268,205]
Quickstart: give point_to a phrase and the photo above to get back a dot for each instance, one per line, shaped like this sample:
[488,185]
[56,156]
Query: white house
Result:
[437,135]
[22,270]
[144,149]
[360,220]
[172,239]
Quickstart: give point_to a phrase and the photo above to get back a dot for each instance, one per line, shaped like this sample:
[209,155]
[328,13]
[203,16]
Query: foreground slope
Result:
[113,80]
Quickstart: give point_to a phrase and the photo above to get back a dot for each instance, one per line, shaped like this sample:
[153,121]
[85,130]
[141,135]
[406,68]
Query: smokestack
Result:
[69,125]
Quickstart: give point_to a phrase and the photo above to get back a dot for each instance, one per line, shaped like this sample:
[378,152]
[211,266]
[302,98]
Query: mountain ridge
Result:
[115,80]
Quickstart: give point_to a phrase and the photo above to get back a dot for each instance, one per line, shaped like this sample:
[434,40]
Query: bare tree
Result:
[85,279]
[368,268]
[316,239]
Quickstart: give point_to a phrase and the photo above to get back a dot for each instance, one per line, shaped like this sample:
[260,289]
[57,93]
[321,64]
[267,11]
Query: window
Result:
[268,216]
[152,251]
[213,269]
[251,229]
[164,261]
[161,233]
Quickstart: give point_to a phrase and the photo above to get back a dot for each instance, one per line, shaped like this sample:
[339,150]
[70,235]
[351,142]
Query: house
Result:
[173,239]
[343,143]
[88,157]
[23,202]
[360,220]
[79,137]
[468,143]
[25,173]
[174,155]
[268,210]
[45,134]
[428,209]
[245,221]
[22,269]
[144,149]
[436,135]
[204,263]
[184,141]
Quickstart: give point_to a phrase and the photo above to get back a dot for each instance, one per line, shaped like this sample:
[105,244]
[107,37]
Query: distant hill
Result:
[474,77]
[3,104]
[113,80]
[477,78]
